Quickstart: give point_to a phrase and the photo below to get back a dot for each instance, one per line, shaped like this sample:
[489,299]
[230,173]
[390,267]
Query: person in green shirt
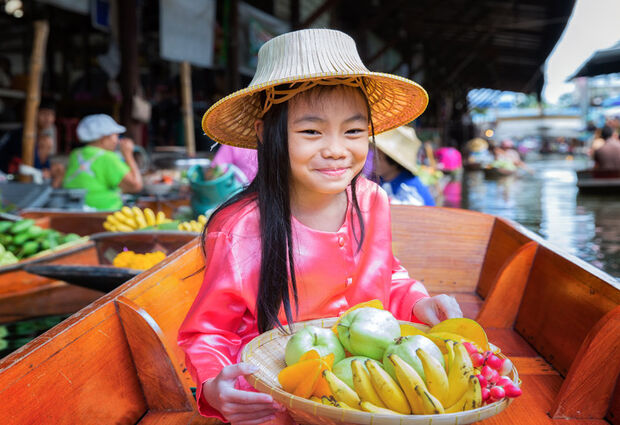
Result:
[97,168]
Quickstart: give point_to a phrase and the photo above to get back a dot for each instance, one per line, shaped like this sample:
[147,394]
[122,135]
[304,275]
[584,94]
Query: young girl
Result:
[309,237]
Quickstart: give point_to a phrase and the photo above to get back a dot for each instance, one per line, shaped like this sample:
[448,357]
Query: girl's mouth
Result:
[333,172]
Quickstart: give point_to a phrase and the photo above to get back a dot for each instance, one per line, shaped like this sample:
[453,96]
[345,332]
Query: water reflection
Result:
[547,201]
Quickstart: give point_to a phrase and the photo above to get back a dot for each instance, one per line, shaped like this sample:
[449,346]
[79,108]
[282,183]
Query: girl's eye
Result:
[355,131]
[310,132]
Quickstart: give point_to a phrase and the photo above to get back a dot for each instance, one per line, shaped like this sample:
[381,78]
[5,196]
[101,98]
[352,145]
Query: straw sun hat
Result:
[303,59]
[402,145]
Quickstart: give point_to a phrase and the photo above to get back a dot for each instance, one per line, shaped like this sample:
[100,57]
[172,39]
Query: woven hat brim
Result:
[393,100]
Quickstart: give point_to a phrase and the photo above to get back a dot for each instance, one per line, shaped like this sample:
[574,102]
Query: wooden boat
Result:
[598,181]
[24,294]
[557,317]
[472,166]
[81,222]
[495,173]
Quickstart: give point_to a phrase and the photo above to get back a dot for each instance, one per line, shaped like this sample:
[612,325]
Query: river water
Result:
[547,201]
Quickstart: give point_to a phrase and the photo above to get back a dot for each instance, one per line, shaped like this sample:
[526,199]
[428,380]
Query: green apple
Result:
[368,331]
[342,369]
[323,340]
[405,347]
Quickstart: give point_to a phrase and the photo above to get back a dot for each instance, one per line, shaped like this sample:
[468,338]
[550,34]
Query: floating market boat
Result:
[495,173]
[598,181]
[64,280]
[555,316]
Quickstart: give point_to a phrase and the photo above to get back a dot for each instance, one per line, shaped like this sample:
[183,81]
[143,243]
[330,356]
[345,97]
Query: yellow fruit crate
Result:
[267,352]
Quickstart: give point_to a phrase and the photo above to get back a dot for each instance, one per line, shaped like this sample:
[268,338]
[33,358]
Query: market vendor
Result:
[97,168]
[396,166]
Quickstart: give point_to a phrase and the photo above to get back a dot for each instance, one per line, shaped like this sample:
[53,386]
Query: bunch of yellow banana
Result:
[440,392]
[376,391]
[193,225]
[129,219]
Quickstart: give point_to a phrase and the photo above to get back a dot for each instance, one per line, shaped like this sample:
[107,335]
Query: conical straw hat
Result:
[477,144]
[311,57]
[402,145]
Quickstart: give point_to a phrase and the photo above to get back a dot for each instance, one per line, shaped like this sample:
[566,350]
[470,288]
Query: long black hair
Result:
[271,190]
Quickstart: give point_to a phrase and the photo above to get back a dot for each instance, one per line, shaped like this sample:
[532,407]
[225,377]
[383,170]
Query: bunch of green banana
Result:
[24,239]
[129,219]
[6,257]
[193,225]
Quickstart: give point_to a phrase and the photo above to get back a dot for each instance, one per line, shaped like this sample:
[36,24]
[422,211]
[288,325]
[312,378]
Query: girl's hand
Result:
[237,406]
[433,310]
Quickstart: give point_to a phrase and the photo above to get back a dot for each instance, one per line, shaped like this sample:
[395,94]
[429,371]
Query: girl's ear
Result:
[258,127]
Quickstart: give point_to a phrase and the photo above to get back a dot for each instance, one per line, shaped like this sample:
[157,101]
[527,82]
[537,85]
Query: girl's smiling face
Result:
[327,140]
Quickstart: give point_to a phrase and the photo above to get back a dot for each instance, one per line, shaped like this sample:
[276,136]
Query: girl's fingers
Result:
[245,397]
[248,416]
[242,409]
[231,372]
[254,421]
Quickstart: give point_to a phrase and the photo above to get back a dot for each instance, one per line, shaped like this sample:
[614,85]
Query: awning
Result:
[605,61]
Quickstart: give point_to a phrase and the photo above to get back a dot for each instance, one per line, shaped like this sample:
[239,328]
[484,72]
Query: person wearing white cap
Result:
[96,168]
[310,237]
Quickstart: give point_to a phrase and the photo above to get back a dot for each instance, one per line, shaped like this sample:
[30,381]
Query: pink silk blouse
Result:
[332,275]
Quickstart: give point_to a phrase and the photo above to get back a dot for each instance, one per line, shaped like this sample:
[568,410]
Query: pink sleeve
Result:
[208,334]
[405,292]
[224,155]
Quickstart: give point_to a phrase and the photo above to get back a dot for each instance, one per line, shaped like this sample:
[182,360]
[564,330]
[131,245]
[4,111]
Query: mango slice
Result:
[468,329]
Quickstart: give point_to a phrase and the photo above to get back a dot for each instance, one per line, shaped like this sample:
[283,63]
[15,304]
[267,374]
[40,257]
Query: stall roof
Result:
[605,61]
[468,44]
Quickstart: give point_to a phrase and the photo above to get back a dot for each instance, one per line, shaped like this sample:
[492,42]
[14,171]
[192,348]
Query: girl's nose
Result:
[335,148]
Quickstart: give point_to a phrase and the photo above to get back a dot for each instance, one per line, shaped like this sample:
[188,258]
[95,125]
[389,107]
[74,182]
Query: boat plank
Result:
[456,242]
[55,298]
[83,223]
[87,369]
[504,297]
[176,418]
[503,242]
[598,359]
[531,408]
[561,303]
[158,373]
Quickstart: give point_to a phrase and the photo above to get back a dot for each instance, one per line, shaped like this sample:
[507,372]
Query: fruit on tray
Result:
[419,375]
[132,260]
[344,370]
[129,219]
[23,239]
[193,225]
[309,338]
[305,377]
[367,331]
[406,347]
[467,329]
[372,303]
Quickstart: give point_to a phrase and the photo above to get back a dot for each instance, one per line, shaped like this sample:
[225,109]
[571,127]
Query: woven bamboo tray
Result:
[267,352]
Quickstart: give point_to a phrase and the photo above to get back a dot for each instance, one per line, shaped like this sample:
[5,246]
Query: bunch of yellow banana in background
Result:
[439,392]
[129,219]
[194,225]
